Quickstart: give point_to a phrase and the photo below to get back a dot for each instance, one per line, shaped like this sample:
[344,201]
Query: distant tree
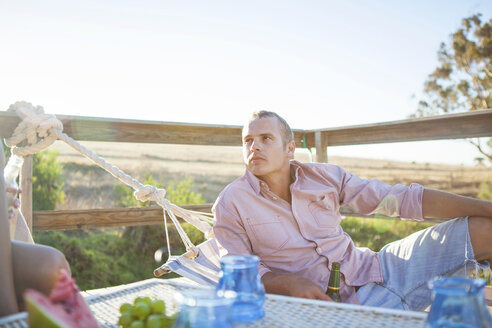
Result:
[463,80]
[479,160]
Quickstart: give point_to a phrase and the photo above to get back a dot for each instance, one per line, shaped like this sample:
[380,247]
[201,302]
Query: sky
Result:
[319,64]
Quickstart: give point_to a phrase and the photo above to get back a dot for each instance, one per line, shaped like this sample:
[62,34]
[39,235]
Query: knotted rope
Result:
[38,130]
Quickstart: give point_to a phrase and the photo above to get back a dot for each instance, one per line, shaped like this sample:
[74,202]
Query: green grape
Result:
[167,322]
[137,324]
[126,319]
[126,307]
[137,299]
[147,301]
[158,306]
[141,310]
[153,321]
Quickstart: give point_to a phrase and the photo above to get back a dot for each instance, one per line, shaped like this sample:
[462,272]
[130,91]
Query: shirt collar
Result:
[256,184]
[295,170]
[253,181]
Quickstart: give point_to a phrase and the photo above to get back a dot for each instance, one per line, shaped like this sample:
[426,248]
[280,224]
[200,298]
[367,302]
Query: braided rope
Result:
[38,130]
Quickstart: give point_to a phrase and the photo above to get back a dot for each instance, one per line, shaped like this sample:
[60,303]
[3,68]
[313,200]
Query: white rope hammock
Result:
[38,130]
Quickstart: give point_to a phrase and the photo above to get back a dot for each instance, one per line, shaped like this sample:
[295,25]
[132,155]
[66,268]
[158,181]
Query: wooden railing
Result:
[451,126]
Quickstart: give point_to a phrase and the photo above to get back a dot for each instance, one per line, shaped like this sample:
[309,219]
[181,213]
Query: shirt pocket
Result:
[270,234]
[325,211]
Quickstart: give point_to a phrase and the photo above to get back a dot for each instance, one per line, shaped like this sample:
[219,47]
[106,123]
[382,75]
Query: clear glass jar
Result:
[203,309]
[458,302]
[240,275]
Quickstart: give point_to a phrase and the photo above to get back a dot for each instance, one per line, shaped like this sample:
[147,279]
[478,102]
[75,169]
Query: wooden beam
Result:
[321,145]
[124,217]
[121,130]
[136,131]
[451,126]
[104,218]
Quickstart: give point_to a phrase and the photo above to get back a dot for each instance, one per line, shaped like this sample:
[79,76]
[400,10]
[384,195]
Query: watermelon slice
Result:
[65,308]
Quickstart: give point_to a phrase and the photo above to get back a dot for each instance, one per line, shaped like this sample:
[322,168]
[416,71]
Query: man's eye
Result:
[247,141]
[266,138]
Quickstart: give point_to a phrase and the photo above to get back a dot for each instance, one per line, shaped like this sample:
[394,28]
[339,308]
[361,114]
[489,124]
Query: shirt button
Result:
[275,197]
[318,249]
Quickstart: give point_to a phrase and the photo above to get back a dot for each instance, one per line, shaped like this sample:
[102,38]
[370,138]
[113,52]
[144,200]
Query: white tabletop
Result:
[280,311]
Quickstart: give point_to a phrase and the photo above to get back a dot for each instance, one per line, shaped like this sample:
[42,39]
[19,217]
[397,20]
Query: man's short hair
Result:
[285,130]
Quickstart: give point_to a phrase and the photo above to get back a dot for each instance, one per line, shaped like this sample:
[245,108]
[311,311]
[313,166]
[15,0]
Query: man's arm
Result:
[292,285]
[441,204]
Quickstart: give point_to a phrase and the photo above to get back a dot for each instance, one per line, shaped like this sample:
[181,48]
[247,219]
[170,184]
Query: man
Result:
[287,213]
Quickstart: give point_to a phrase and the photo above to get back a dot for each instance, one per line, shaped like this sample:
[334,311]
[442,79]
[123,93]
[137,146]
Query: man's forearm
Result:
[276,283]
[292,285]
[440,204]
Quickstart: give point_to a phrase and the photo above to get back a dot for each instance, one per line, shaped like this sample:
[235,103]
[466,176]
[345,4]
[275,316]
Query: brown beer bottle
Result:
[333,290]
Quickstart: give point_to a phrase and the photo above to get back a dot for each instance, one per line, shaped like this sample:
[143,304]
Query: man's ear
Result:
[291,149]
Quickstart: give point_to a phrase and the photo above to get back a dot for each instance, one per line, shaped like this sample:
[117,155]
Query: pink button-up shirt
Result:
[305,237]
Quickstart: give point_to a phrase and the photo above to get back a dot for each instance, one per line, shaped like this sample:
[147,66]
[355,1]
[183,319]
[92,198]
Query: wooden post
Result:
[321,142]
[26,187]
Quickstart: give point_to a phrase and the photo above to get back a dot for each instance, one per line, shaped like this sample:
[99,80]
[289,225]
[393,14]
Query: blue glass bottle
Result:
[240,274]
[458,302]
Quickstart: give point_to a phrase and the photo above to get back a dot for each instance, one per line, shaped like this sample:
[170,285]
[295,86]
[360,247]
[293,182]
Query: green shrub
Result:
[125,193]
[485,190]
[181,194]
[47,181]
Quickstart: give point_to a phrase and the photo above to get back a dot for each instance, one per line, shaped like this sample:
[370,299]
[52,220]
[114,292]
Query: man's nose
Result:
[255,146]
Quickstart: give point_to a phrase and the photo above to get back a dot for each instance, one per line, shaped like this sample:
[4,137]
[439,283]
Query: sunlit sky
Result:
[317,63]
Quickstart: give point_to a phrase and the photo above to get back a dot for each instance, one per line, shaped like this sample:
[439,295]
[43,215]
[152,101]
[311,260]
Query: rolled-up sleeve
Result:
[231,234]
[376,197]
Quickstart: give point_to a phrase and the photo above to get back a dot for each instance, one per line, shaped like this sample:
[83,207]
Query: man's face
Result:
[263,149]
